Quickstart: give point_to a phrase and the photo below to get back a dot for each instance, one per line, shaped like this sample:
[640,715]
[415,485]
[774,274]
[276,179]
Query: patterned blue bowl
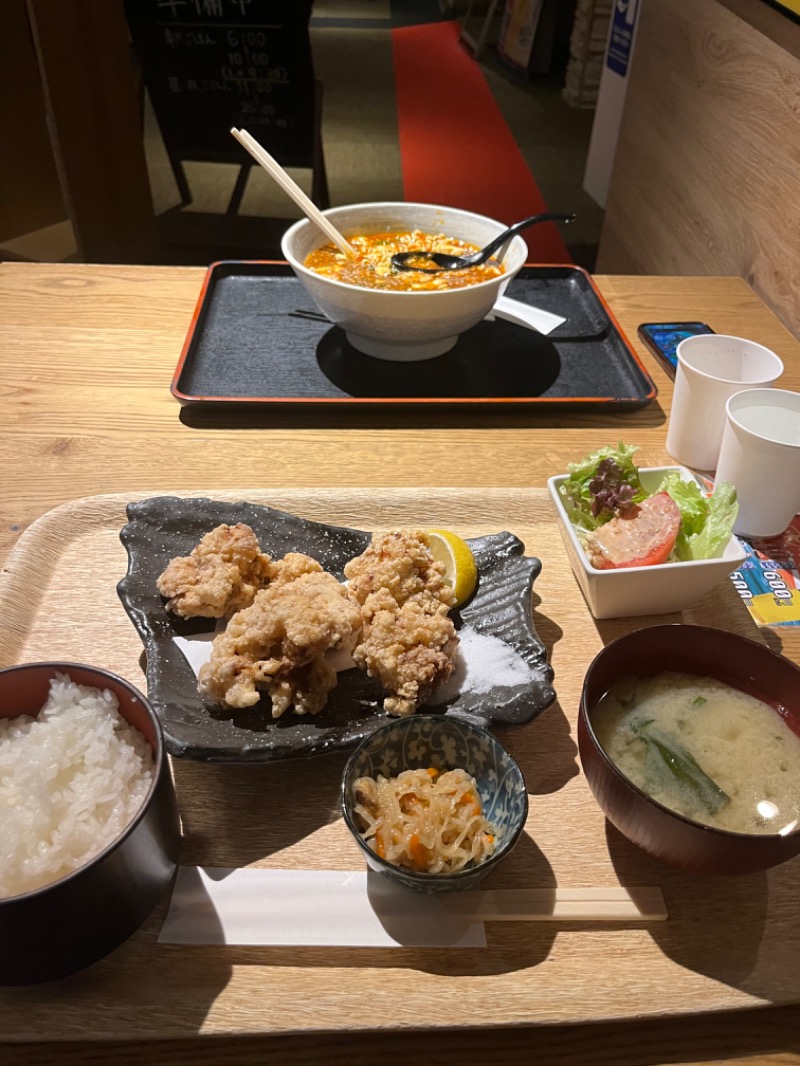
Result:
[444,743]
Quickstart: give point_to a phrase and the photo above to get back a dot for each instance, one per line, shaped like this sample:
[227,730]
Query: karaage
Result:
[222,575]
[408,640]
[277,645]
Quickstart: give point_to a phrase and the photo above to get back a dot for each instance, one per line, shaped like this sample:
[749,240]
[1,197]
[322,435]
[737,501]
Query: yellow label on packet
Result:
[769,578]
[769,611]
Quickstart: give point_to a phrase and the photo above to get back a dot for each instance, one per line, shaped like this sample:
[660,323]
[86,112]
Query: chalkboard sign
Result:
[212,64]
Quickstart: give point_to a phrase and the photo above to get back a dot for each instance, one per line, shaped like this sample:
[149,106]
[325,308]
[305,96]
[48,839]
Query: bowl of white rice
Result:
[89,826]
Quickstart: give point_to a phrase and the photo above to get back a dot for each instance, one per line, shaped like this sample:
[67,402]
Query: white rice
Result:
[71,780]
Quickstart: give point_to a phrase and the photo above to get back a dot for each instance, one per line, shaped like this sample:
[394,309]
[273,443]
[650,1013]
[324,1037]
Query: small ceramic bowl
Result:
[401,326]
[70,923]
[422,741]
[643,590]
[744,664]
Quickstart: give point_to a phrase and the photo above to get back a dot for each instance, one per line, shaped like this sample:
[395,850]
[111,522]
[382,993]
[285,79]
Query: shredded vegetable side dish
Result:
[424,820]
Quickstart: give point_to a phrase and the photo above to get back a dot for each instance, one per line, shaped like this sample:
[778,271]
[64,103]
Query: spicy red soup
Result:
[372,265]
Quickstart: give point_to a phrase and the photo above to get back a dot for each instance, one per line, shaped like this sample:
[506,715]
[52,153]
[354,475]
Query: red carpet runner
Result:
[455,146]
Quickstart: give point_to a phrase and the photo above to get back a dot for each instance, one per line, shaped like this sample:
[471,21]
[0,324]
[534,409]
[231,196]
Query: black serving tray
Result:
[257,337]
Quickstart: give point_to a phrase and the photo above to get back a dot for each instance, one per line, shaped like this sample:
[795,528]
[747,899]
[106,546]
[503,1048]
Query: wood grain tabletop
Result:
[87,355]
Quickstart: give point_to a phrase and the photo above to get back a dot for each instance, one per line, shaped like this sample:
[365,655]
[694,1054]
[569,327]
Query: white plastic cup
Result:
[760,456]
[711,368]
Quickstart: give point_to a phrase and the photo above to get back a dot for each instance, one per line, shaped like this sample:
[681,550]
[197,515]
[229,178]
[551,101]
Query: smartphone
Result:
[663,338]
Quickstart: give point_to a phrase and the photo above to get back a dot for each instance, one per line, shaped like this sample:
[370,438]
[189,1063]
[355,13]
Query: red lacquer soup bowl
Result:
[670,837]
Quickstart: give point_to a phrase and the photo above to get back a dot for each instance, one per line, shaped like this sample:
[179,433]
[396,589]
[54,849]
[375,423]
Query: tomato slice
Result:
[644,536]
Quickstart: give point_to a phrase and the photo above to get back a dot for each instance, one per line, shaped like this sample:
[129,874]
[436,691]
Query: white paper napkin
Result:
[316,908]
[346,908]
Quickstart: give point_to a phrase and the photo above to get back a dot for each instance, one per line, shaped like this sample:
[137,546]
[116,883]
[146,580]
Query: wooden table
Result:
[86,358]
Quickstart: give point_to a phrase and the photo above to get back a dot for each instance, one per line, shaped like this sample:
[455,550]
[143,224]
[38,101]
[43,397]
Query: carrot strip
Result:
[419,853]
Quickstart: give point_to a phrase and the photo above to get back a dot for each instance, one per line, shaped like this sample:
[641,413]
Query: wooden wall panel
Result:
[706,178]
[30,195]
[95,122]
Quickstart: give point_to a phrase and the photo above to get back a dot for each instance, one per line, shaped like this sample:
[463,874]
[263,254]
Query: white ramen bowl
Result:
[401,326]
[643,590]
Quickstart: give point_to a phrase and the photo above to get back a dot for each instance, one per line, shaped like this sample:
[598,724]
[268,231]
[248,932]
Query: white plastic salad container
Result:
[643,590]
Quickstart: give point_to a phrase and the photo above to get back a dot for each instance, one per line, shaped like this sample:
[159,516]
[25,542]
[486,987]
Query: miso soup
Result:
[704,749]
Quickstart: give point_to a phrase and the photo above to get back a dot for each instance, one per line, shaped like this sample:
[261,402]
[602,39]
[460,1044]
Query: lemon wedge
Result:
[460,571]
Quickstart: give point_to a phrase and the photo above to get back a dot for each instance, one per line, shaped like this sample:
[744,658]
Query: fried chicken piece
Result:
[290,567]
[277,644]
[408,641]
[221,576]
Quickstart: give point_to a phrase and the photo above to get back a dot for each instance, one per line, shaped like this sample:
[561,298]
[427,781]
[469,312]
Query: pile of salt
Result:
[483,663]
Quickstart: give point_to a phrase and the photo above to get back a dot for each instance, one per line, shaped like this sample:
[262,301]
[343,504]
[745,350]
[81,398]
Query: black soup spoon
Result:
[406,260]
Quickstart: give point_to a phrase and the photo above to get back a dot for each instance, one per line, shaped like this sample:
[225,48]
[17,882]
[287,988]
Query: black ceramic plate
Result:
[162,527]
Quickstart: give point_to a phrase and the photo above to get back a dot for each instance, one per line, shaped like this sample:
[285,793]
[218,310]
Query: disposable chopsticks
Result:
[613,904]
[291,188]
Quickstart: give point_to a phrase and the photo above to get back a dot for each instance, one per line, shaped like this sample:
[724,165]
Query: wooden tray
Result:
[728,943]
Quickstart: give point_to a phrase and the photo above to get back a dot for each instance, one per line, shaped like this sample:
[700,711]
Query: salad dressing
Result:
[605,487]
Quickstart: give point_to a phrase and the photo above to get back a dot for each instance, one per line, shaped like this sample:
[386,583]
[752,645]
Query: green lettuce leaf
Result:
[711,540]
[592,492]
[691,500]
[706,521]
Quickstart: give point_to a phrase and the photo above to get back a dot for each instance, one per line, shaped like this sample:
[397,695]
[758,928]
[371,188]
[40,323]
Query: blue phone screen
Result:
[668,335]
